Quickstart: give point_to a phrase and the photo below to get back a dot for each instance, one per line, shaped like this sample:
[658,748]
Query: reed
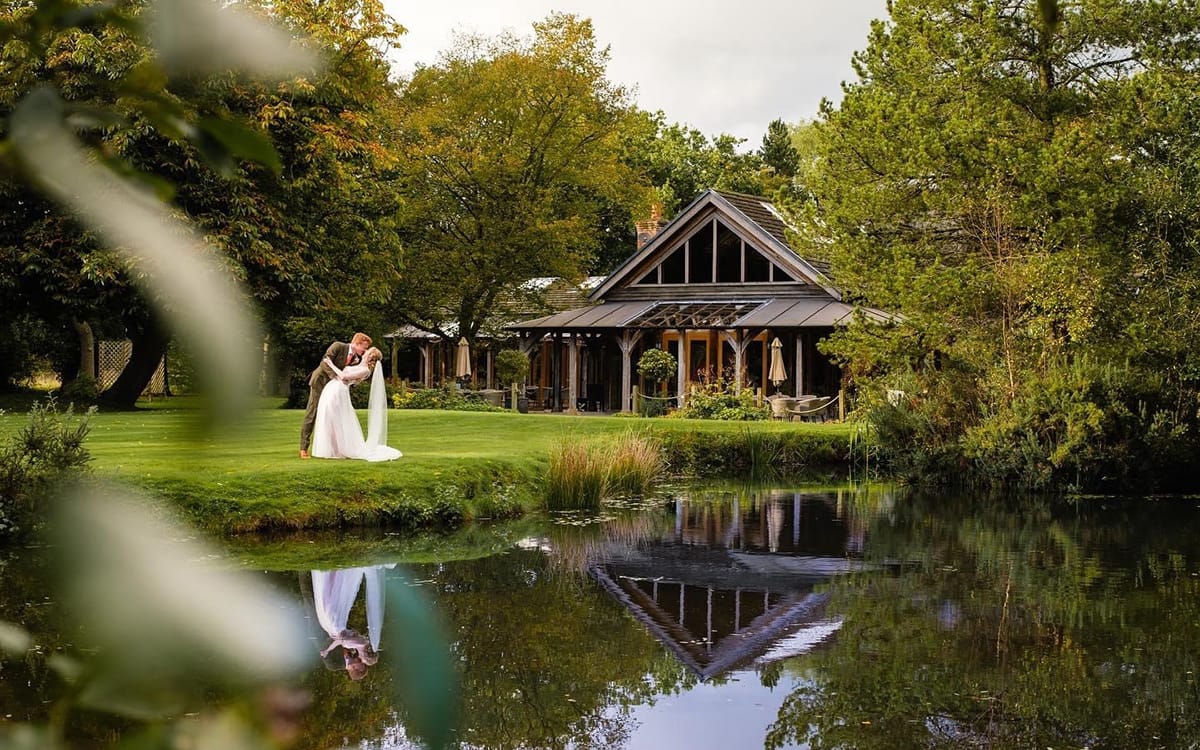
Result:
[636,464]
[584,472]
[577,476]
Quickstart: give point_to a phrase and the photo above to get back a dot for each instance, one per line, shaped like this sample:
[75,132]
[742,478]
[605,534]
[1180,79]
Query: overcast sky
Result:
[722,66]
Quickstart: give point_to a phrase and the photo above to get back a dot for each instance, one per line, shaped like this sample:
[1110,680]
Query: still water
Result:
[750,618]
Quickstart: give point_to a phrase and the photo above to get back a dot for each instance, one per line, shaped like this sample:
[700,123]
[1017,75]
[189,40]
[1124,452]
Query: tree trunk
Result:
[148,350]
[87,349]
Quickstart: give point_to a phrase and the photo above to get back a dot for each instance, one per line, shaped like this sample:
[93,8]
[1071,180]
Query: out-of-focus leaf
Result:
[242,142]
[26,737]
[426,682]
[225,731]
[202,36]
[152,737]
[14,639]
[82,117]
[65,667]
[120,693]
[204,305]
[136,579]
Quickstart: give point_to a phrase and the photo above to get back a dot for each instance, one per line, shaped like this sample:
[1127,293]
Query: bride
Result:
[337,433]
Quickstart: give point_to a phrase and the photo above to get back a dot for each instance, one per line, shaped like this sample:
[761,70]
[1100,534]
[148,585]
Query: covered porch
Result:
[586,359]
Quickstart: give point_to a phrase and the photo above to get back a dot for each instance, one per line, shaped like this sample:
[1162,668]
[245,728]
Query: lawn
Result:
[456,465]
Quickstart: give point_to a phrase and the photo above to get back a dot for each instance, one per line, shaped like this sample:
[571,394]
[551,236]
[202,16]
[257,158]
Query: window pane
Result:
[672,267]
[700,258]
[758,268]
[780,274]
[651,277]
[729,255]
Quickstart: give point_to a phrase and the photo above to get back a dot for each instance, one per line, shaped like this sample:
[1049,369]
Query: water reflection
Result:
[334,593]
[733,582]
[766,618]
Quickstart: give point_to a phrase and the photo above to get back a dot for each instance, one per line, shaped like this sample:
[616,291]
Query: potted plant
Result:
[512,367]
[657,366]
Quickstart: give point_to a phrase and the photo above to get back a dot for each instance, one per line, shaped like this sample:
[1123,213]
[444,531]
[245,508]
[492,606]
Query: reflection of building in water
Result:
[734,583]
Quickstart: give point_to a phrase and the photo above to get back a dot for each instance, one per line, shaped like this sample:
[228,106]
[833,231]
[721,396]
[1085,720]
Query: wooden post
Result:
[681,368]
[636,401]
[490,378]
[626,341]
[573,376]
[395,361]
[799,364]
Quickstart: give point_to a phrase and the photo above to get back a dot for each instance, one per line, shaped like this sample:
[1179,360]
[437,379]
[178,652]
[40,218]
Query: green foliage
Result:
[512,366]
[657,365]
[445,397]
[37,462]
[755,453]
[777,151]
[84,389]
[719,399]
[1090,428]
[509,164]
[988,179]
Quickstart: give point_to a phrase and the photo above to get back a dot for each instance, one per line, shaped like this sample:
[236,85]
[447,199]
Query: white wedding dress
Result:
[338,434]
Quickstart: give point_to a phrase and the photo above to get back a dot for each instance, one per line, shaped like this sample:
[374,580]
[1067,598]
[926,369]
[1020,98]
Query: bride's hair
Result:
[372,357]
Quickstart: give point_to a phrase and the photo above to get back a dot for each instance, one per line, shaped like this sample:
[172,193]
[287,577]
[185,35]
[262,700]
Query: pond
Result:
[749,617]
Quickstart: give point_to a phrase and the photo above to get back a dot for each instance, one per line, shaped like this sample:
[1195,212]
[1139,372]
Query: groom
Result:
[342,355]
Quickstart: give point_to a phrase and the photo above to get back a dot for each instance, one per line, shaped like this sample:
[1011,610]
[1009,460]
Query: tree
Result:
[510,156]
[999,177]
[309,231]
[777,151]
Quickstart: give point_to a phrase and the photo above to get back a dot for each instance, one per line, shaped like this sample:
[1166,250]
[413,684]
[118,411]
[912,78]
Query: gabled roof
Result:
[754,217]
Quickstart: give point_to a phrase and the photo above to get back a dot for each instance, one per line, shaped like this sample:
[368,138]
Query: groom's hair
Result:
[361,338]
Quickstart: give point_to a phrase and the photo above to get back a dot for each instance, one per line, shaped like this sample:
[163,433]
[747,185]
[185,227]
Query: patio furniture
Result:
[809,408]
[781,405]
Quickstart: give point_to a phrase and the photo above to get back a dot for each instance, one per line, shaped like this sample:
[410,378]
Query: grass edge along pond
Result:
[457,466]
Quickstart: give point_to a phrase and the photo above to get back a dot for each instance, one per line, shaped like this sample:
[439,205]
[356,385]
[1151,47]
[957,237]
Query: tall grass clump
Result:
[578,476]
[584,472]
[636,465]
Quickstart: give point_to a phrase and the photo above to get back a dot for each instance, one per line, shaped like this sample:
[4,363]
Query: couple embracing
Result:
[330,420]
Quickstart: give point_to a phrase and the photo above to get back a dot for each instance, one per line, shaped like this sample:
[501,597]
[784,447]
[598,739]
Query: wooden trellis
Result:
[114,355]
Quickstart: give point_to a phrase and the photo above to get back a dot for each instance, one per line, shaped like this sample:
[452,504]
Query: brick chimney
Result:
[648,228]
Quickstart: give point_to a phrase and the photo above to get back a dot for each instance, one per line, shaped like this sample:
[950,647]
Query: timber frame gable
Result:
[731,212]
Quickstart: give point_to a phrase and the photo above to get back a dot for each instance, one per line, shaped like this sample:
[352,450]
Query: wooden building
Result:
[714,286]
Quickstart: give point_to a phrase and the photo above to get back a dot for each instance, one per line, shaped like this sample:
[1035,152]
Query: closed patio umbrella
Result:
[777,373]
[462,361]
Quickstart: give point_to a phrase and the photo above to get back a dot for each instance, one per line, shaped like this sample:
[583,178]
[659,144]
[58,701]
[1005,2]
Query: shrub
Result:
[84,389]
[717,399]
[657,365]
[511,366]
[45,454]
[446,397]
[1087,427]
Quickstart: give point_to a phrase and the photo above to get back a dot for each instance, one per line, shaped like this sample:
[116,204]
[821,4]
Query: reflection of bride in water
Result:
[334,595]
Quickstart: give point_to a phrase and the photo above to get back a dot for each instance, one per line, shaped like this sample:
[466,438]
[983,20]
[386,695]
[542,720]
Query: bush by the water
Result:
[1078,426]
[584,472]
[43,455]
[753,452]
[718,399]
[445,397]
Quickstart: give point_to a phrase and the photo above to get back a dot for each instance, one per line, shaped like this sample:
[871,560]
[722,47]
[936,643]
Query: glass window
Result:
[651,277]
[729,255]
[778,274]
[758,268]
[700,256]
[672,267]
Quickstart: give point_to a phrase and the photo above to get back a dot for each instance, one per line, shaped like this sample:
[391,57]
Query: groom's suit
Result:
[337,352]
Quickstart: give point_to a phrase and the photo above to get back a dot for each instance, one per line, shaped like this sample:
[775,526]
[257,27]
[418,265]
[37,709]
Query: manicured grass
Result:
[456,465]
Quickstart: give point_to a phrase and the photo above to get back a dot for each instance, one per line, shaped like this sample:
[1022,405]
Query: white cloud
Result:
[722,67]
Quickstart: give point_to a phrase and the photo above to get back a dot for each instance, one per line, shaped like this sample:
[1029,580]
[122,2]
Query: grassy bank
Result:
[456,465]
